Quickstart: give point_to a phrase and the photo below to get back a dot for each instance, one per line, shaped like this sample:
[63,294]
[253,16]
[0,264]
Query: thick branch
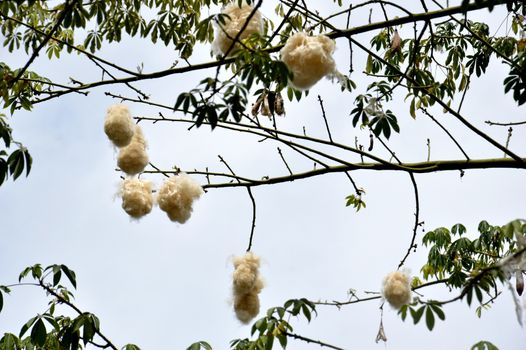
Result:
[421,167]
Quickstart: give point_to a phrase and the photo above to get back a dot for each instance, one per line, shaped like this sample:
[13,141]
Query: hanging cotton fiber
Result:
[309,58]
[133,158]
[227,32]
[246,286]
[397,289]
[118,125]
[137,198]
[176,196]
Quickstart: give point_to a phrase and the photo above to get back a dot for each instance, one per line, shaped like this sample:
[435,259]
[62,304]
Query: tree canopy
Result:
[249,69]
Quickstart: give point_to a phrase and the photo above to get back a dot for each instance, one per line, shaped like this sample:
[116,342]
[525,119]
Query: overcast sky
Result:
[163,285]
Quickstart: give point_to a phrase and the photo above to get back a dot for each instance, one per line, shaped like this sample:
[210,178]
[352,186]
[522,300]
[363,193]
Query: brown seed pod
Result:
[279,105]
[265,108]
[519,282]
[396,42]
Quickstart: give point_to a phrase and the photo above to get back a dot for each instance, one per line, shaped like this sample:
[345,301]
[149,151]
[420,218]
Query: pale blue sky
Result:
[164,285]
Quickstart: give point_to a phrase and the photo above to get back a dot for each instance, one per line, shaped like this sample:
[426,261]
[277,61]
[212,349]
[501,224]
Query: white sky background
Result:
[163,285]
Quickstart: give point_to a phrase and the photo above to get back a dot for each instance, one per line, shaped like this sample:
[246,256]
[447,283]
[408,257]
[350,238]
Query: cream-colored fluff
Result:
[397,289]
[226,33]
[118,125]
[246,286]
[246,306]
[137,198]
[133,158]
[309,58]
[246,273]
[176,196]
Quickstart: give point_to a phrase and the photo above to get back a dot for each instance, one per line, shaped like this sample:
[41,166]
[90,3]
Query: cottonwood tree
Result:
[430,53]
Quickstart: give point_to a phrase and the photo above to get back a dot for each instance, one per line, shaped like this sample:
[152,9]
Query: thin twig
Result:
[308,340]
[253,226]
[325,118]
[446,131]
[284,161]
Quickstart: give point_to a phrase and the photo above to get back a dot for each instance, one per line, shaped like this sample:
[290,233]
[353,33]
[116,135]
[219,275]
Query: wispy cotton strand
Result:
[177,195]
[397,289]
[118,125]
[309,58]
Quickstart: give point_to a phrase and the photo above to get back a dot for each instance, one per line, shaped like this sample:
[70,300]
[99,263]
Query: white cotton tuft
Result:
[133,158]
[118,125]
[397,289]
[226,33]
[137,198]
[246,286]
[246,306]
[176,196]
[309,58]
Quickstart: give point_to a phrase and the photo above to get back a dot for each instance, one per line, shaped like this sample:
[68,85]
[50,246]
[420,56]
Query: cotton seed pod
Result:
[118,125]
[397,289]
[309,58]
[246,307]
[177,195]
[137,198]
[227,32]
[133,158]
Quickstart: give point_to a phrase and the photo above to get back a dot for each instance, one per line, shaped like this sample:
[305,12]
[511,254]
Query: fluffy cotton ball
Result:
[397,289]
[247,284]
[246,306]
[118,125]
[246,273]
[309,58]
[133,158]
[225,33]
[176,196]
[137,198]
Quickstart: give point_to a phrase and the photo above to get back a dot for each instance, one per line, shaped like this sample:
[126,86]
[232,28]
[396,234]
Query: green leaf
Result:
[27,326]
[417,314]
[130,347]
[484,345]
[38,333]
[430,319]
[70,274]
[438,311]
